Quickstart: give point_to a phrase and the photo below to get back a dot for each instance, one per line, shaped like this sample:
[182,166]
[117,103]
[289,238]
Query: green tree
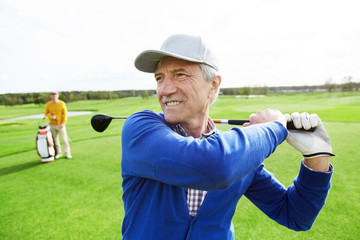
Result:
[330,86]
[144,94]
[7,100]
[348,84]
[246,91]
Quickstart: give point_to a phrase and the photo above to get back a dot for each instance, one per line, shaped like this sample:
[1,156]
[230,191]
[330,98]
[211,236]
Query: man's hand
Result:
[268,115]
[309,144]
[53,117]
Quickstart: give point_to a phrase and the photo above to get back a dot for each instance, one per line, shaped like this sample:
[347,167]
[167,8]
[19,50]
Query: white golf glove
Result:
[309,144]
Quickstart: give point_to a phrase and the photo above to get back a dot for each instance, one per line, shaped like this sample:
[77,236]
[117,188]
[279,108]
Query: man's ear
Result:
[215,85]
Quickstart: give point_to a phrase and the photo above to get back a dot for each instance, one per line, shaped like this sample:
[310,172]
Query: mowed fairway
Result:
[80,198]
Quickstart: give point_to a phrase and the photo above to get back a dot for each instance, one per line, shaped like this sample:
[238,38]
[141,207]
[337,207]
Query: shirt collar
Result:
[210,129]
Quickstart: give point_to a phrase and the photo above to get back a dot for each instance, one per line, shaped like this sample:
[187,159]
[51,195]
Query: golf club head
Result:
[100,122]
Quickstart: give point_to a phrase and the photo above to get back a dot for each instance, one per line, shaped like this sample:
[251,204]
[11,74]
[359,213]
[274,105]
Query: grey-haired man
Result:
[182,178]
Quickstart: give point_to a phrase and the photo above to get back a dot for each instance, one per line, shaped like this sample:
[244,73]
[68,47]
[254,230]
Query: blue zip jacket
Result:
[157,163]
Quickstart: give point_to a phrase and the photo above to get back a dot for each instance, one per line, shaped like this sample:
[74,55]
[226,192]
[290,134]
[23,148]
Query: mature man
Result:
[182,178]
[56,111]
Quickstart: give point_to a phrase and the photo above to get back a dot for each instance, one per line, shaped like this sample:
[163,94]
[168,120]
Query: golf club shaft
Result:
[119,117]
[290,125]
[231,121]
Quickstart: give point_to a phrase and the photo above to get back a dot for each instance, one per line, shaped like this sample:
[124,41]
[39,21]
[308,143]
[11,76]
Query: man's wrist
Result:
[320,163]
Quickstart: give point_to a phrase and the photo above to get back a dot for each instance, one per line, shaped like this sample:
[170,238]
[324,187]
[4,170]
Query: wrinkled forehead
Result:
[171,62]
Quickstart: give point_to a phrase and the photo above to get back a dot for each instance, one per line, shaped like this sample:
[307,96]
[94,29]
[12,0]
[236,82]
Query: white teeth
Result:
[172,103]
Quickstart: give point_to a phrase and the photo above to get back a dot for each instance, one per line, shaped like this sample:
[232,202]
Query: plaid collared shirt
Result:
[195,197]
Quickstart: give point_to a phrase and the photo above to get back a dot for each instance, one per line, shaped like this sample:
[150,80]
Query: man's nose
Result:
[168,86]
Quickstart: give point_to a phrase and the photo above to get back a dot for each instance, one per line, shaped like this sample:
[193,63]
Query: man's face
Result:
[183,92]
[54,97]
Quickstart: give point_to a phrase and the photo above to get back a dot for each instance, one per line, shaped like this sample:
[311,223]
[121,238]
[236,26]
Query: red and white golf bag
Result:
[45,144]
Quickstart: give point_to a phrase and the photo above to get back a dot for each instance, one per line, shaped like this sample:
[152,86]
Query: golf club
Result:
[289,125]
[101,121]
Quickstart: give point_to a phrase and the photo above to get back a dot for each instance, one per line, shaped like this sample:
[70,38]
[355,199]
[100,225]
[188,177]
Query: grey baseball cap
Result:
[186,47]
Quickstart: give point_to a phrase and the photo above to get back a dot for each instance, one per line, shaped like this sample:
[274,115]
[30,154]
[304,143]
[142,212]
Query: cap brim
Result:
[148,60]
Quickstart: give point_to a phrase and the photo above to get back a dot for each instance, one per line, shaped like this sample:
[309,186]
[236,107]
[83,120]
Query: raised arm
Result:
[150,149]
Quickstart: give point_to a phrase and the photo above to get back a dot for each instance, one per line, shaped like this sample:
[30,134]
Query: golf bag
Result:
[45,144]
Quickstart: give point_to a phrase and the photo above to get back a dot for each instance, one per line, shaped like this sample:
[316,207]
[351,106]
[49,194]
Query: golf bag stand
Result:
[45,144]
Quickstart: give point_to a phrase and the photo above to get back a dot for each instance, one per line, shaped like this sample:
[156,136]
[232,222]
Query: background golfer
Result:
[56,111]
[182,178]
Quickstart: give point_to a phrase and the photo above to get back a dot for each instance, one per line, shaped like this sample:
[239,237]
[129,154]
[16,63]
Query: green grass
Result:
[81,198]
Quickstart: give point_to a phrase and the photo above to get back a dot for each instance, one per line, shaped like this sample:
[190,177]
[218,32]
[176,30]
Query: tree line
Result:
[11,99]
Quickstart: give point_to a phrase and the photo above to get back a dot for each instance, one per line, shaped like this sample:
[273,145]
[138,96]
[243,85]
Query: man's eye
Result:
[180,75]
[158,78]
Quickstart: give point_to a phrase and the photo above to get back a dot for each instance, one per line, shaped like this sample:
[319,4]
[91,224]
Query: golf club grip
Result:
[237,122]
[290,125]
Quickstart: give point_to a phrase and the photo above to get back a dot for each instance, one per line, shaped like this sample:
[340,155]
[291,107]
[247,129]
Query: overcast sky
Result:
[91,45]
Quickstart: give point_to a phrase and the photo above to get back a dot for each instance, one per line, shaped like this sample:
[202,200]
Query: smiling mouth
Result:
[174,103]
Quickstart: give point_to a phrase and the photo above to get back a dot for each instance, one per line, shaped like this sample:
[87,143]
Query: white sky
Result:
[91,45]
